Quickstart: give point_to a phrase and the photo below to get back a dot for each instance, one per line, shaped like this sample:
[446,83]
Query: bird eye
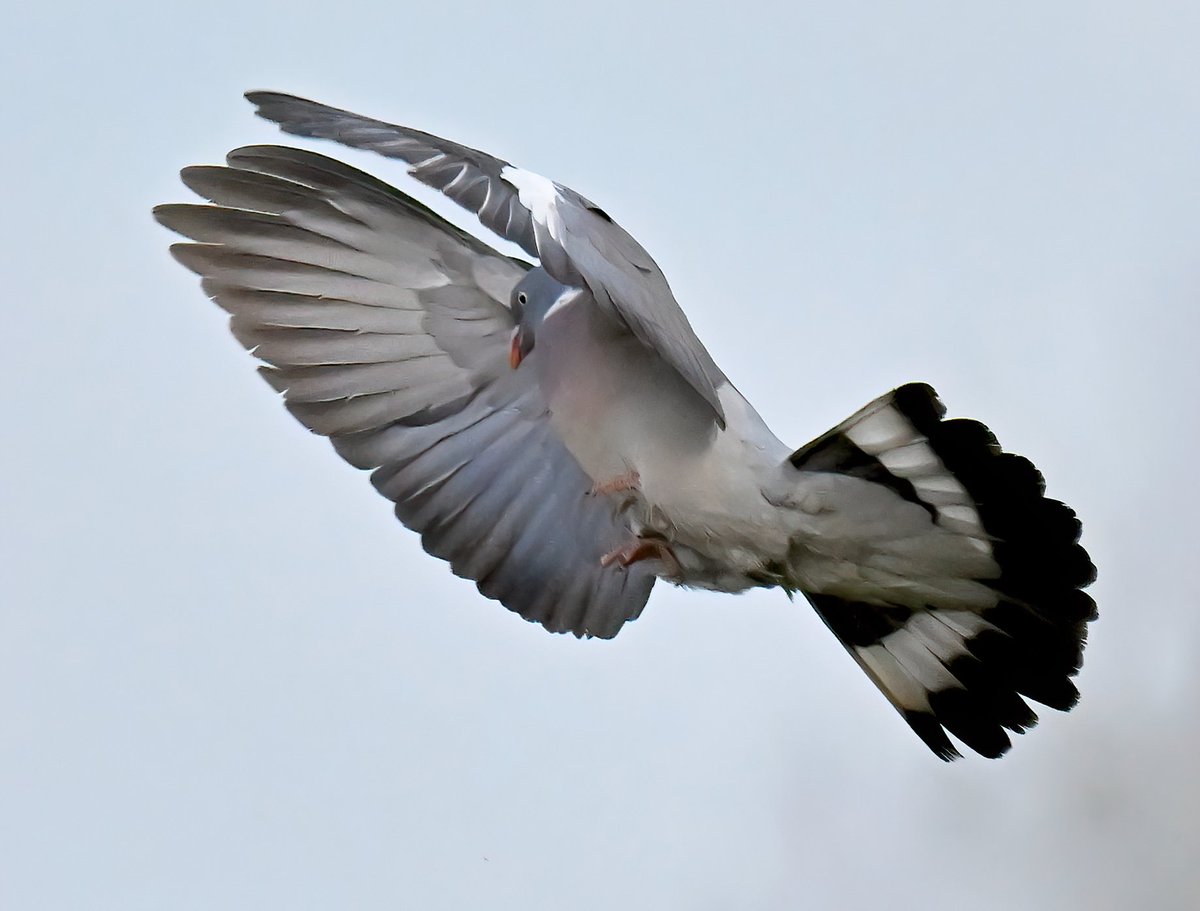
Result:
[522,298]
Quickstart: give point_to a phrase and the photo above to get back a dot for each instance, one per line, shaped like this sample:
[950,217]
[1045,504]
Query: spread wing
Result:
[576,241]
[386,329]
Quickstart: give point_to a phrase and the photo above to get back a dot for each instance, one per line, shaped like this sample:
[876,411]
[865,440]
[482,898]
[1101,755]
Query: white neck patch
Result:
[568,297]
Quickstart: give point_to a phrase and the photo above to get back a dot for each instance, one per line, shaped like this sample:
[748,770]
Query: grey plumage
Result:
[386,329]
[591,249]
[559,434]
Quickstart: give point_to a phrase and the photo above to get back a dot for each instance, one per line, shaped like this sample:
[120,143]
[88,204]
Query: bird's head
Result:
[531,300]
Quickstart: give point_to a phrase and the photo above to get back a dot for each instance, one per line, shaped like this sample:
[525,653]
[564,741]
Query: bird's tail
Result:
[962,593]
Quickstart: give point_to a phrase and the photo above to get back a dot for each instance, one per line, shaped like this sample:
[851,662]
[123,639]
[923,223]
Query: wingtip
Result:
[167,214]
[259,96]
[161,211]
[265,99]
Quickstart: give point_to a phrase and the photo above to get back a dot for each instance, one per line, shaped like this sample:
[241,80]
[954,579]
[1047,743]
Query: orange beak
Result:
[514,350]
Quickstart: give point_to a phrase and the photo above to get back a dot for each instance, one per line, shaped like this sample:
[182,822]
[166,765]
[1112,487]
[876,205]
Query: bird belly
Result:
[628,415]
[709,503]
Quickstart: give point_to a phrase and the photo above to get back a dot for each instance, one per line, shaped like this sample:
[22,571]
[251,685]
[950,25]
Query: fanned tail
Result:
[967,605]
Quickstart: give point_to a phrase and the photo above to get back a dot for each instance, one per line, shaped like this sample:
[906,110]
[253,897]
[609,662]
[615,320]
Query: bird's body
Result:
[559,434]
[699,486]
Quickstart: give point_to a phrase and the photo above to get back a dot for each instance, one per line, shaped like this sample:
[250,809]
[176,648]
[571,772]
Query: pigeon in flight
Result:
[556,431]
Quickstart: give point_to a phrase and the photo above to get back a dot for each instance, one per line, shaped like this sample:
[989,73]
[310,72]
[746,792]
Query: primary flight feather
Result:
[558,433]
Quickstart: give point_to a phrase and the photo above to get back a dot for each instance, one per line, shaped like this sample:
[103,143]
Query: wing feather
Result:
[576,241]
[386,329]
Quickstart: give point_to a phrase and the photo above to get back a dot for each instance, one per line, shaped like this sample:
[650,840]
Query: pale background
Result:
[230,680]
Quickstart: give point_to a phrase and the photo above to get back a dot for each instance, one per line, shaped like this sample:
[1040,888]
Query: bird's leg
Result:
[630,480]
[640,549]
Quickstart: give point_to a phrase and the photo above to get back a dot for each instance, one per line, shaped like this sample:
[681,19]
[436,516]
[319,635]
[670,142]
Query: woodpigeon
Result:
[559,434]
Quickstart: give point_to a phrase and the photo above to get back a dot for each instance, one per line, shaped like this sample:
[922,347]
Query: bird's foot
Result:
[631,480]
[640,549]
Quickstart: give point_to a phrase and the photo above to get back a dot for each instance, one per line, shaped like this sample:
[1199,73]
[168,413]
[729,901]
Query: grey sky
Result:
[229,679]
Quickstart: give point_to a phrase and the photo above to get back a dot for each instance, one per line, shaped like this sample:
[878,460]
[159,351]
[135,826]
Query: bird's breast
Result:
[622,411]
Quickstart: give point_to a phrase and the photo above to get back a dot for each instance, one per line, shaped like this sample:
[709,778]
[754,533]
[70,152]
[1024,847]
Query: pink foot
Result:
[628,481]
[644,549]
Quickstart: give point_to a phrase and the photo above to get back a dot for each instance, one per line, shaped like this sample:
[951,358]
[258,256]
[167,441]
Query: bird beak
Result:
[514,350]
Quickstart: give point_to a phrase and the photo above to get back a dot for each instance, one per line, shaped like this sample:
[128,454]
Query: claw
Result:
[628,481]
[645,549]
